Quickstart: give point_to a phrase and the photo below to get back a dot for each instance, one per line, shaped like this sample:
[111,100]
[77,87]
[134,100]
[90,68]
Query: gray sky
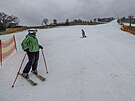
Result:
[32,12]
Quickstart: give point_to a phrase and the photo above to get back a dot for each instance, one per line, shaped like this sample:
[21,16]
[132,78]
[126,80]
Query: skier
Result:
[83,34]
[31,46]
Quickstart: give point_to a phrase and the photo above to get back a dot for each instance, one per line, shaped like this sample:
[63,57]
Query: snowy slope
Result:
[100,67]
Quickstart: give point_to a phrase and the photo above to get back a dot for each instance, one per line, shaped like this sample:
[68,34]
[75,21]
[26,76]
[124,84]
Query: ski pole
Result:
[19,70]
[44,61]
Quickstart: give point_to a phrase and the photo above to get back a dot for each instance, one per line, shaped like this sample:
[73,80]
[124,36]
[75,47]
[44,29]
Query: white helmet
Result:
[31,31]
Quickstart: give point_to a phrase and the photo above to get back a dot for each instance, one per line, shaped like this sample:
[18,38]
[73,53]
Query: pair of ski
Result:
[32,82]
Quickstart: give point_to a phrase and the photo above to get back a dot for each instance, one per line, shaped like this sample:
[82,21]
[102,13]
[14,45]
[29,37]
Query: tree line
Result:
[11,21]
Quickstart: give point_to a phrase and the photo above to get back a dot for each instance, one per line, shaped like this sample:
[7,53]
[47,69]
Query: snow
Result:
[127,24]
[100,67]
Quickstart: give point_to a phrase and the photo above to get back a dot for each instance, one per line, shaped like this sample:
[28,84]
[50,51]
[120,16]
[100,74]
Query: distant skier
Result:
[31,46]
[83,34]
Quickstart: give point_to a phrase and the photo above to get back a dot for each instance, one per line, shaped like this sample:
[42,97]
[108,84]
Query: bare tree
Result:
[95,20]
[8,21]
[67,22]
[54,21]
[45,21]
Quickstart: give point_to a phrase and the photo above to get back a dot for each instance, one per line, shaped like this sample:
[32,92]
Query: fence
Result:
[7,48]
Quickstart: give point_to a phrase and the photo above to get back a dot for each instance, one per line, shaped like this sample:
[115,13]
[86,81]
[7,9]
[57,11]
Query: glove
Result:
[26,50]
[41,47]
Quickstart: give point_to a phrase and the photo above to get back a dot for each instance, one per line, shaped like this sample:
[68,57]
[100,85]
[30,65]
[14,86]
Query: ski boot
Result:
[34,72]
[25,75]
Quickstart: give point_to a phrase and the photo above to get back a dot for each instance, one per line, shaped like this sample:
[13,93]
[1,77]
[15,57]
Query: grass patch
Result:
[12,30]
[131,28]
[7,31]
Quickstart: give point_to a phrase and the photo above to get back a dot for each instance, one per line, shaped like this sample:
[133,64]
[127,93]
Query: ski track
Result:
[97,68]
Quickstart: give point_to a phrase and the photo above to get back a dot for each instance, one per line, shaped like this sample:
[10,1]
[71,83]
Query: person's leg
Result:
[31,58]
[35,64]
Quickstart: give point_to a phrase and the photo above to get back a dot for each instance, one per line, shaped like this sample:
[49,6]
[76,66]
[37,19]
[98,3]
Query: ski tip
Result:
[44,79]
[35,84]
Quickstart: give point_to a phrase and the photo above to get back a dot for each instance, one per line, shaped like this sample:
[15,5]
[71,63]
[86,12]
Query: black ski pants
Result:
[33,58]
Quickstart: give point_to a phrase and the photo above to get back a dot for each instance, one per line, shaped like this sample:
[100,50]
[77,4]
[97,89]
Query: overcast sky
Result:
[32,12]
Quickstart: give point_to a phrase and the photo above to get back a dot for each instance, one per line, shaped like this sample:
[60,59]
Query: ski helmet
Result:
[31,31]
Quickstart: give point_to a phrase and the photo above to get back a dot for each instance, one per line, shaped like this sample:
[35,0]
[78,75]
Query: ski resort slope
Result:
[100,67]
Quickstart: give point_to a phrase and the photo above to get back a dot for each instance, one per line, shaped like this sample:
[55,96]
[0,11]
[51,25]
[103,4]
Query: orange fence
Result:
[7,48]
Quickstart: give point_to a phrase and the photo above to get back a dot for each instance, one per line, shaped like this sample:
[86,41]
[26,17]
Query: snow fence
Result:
[7,48]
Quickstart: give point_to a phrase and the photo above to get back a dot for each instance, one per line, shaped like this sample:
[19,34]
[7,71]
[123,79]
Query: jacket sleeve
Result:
[25,43]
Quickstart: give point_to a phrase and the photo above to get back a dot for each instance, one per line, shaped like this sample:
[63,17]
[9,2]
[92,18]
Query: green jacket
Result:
[31,43]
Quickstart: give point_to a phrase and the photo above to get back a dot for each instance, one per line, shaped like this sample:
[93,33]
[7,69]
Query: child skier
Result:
[83,34]
[31,46]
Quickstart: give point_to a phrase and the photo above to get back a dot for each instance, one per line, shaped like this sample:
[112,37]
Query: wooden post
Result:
[130,20]
[1,52]
[15,42]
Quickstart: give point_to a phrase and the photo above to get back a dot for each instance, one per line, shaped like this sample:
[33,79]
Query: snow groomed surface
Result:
[100,67]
